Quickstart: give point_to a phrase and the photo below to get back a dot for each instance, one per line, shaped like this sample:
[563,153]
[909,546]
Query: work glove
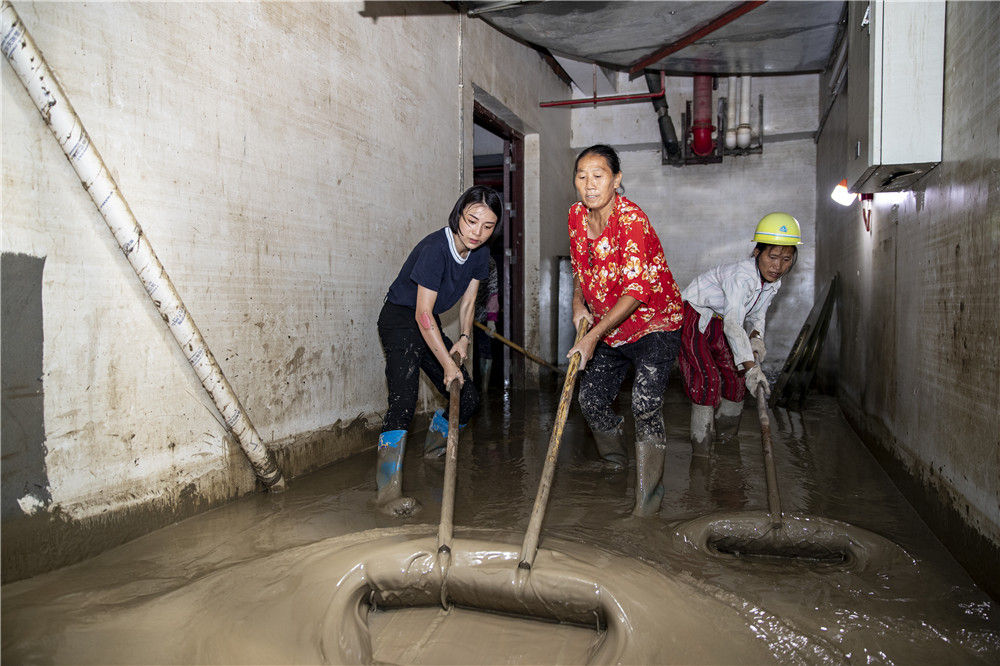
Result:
[754,378]
[759,350]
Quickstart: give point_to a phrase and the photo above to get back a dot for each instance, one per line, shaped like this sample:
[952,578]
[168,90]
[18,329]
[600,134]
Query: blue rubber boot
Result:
[436,443]
[389,476]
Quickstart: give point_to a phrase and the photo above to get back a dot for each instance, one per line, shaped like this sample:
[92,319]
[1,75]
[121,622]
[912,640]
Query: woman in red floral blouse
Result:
[624,289]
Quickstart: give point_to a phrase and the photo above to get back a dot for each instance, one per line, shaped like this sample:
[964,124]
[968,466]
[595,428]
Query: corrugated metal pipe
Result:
[656,83]
[29,65]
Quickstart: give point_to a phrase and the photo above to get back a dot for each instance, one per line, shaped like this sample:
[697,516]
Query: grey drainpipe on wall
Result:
[29,65]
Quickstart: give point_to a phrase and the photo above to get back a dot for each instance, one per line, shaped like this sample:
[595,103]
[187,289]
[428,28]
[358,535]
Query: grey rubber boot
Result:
[650,454]
[485,365]
[727,419]
[389,476]
[702,429]
[610,444]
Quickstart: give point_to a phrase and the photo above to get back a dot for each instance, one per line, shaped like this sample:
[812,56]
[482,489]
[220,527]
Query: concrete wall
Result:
[705,214]
[283,159]
[509,87]
[918,369]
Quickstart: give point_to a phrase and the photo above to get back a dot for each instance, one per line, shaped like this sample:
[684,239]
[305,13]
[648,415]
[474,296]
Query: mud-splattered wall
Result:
[918,369]
[705,214]
[282,159]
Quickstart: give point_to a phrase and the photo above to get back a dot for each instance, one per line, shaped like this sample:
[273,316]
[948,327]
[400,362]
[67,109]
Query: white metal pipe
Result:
[731,103]
[743,131]
[57,112]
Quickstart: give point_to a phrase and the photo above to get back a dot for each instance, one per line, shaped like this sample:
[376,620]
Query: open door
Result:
[498,153]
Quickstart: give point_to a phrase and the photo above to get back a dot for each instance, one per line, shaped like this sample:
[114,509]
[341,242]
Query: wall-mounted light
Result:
[845,197]
[842,195]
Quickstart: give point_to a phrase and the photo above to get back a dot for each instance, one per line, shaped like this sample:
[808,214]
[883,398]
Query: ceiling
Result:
[755,37]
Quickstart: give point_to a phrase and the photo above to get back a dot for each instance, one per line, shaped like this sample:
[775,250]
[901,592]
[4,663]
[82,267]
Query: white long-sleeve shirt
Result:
[736,293]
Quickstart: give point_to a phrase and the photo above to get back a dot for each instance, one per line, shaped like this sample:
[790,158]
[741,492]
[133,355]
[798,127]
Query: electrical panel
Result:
[895,88]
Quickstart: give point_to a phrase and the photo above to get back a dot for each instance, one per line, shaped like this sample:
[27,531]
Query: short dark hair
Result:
[760,247]
[477,194]
[607,152]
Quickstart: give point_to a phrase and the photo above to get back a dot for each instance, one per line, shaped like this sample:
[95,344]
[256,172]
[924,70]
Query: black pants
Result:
[653,357]
[406,354]
[482,344]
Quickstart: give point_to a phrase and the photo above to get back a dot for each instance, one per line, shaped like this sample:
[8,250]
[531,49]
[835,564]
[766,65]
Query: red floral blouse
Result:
[626,258]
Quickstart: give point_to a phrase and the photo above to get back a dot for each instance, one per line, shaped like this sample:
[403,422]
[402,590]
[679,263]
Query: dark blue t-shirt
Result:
[436,265]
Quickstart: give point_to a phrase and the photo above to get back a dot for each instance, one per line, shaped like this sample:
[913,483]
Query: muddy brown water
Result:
[251,582]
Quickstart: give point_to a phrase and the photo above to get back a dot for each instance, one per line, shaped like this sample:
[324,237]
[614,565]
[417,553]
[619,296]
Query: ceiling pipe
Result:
[701,128]
[595,100]
[667,133]
[731,103]
[694,35]
[743,132]
[57,112]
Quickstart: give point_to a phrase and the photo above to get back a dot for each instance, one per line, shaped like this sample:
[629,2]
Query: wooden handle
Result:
[445,529]
[516,347]
[530,546]
[773,499]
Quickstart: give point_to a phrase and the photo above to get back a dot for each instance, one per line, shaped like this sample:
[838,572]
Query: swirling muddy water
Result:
[316,575]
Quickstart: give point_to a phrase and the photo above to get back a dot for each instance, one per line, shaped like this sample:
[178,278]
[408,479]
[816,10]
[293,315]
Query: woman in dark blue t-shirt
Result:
[444,268]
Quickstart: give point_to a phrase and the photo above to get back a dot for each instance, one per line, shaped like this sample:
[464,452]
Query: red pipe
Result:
[598,100]
[702,127]
[695,35]
[595,100]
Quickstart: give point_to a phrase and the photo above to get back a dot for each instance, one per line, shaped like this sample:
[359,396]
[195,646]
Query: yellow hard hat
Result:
[778,229]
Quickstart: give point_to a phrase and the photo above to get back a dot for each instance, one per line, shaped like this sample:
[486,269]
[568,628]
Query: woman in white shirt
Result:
[723,329]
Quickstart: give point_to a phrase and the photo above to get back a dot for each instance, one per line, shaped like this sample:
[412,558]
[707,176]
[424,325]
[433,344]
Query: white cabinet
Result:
[895,90]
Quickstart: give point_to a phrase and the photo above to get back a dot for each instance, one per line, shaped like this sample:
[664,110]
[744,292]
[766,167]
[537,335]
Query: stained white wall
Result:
[917,367]
[283,159]
[705,214]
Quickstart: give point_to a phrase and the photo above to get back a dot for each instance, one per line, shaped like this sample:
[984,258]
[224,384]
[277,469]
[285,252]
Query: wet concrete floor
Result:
[917,606]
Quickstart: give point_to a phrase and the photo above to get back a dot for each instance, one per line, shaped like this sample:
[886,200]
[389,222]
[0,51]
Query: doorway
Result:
[498,162]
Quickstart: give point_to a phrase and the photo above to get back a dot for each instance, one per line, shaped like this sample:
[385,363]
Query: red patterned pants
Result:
[706,362]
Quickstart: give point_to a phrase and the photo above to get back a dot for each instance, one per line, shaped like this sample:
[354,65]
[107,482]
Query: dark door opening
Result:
[498,161]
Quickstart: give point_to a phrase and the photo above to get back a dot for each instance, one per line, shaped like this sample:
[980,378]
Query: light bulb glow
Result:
[841,195]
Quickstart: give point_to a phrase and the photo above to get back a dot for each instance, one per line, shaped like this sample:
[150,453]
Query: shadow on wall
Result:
[377,10]
[24,486]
